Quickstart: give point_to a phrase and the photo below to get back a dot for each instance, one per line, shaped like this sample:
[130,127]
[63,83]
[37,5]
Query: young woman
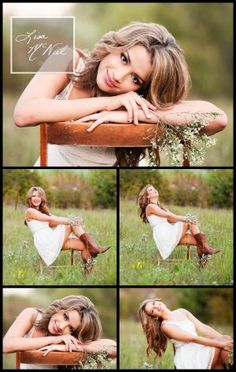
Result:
[169,229]
[138,73]
[69,324]
[181,327]
[52,233]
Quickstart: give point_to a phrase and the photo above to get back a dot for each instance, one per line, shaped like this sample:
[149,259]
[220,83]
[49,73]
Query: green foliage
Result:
[138,253]
[16,183]
[203,188]
[64,188]
[220,188]
[103,188]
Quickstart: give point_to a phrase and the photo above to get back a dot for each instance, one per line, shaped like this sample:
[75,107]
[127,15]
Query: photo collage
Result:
[118,179]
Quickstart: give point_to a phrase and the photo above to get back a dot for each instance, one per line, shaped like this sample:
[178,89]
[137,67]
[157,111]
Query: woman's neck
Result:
[154,201]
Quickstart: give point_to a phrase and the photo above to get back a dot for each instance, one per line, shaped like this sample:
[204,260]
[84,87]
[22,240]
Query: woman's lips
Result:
[56,328]
[109,81]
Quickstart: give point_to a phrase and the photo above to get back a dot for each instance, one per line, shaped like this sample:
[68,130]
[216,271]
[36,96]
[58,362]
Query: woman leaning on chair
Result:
[135,74]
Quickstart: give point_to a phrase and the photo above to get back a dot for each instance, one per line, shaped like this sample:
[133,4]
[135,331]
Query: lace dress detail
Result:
[48,241]
[189,355]
[35,366]
[166,235]
[74,155]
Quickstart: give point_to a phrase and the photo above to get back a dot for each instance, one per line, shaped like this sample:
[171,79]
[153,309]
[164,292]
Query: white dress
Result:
[47,240]
[166,235]
[35,366]
[74,155]
[189,355]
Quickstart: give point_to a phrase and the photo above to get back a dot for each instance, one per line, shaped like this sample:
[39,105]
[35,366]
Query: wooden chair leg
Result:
[158,259]
[72,257]
[188,252]
[18,359]
[43,145]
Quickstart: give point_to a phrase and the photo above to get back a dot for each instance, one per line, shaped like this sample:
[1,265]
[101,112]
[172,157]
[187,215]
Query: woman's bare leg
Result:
[220,359]
[75,243]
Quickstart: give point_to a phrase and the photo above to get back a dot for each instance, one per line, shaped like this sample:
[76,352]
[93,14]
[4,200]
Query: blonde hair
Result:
[43,206]
[90,328]
[156,339]
[169,80]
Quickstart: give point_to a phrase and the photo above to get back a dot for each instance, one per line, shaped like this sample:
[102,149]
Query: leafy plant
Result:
[183,141]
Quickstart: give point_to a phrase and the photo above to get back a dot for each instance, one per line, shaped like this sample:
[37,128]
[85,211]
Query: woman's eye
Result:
[136,81]
[65,316]
[123,58]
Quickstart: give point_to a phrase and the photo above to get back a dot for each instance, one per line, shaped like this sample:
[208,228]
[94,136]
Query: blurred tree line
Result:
[200,188]
[210,305]
[203,30]
[104,300]
[64,189]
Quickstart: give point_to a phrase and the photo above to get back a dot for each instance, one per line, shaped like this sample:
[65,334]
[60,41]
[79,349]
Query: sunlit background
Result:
[203,30]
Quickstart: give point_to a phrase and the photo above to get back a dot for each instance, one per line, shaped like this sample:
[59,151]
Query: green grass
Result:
[21,259]
[138,253]
[21,145]
[133,348]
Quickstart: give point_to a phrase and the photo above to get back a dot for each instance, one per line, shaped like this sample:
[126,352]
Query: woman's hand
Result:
[132,102]
[104,117]
[227,344]
[69,341]
[47,349]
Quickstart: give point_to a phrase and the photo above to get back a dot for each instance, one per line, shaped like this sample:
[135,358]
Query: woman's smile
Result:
[109,81]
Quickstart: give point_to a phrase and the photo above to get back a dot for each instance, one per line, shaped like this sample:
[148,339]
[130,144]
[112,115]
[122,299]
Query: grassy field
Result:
[133,348]
[138,253]
[21,145]
[21,261]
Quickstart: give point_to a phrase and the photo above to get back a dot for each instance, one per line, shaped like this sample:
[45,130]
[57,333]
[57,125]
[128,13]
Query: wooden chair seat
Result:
[188,254]
[105,135]
[52,358]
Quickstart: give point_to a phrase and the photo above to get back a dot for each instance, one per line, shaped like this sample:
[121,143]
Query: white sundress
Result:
[48,241]
[189,355]
[35,366]
[75,155]
[166,235]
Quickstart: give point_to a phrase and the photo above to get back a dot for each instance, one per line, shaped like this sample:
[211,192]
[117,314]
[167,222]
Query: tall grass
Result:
[21,145]
[133,348]
[21,261]
[138,253]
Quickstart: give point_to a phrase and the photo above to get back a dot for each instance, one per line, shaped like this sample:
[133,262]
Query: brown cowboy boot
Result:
[92,247]
[202,245]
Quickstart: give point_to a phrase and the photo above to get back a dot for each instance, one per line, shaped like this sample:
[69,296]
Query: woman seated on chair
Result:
[181,327]
[136,74]
[169,229]
[52,233]
[68,324]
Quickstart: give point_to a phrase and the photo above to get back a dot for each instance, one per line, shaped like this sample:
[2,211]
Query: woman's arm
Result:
[14,339]
[201,327]
[174,332]
[98,346]
[179,114]
[34,214]
[154,209]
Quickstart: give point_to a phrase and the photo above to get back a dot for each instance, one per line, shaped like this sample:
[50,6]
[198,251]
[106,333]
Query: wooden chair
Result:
[53,358]
[105,135]
[72,261]
[188,254]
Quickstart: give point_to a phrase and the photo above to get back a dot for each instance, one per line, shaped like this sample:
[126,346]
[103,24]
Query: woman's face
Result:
[122,72]
[64,322]
[36,199]
[152,192]
[154,308]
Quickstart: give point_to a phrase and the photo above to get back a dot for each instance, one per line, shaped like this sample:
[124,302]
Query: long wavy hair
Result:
[168,82]
[143,201]
[156,339]
[43,208]
[90,328]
